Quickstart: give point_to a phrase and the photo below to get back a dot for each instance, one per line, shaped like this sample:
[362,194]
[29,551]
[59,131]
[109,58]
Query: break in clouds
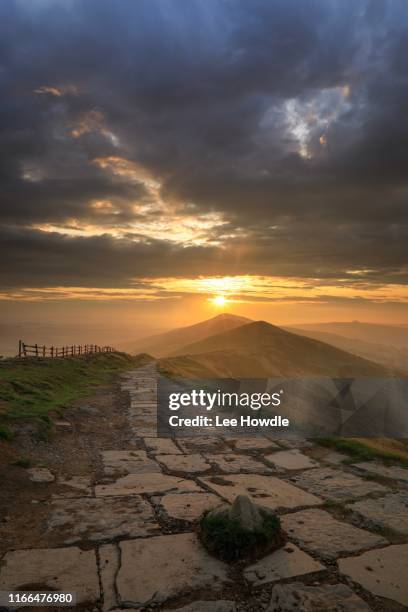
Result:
[143,140]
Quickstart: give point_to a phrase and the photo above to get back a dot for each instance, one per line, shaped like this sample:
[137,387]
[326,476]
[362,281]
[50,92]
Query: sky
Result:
[161,160]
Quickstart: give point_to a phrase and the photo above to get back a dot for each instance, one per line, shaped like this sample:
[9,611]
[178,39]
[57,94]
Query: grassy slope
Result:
[32,388]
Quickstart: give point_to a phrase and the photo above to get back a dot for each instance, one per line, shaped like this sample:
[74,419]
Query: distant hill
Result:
[169,343]
[258,349]
[386,355]
[390,335]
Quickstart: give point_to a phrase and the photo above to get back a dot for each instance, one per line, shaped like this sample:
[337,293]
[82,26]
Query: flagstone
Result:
[296,597]
[231,463]
[208,606]
[317,531]
[108,566]
[266,490]
[155,569]
[61,569]
[292,459]
[161,446]
[390,512]
[383,572]
[188,506]
[184,464]
[128,462]
[255,443]
[38,474]
[134,484]
[101,519]
[76,486]
[203,444]
[286,562]
[395,472]
[335,484]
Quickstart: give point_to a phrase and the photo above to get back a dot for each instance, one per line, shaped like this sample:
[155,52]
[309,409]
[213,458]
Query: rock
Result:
[292,459]
[203,445]
[97,519]
[161,446]
[188,506]
[78,486]
[390,512]
[297,597]
[154,570]
[59,569]
[286,562]
[336,484]
[318,532]
[395,472]
[184,464]
[256,443]
[109,565]
[383,572]
[135,484]
[128,462]
[246,513]
[232,463]
[63,425]
[272,492]
[87,409]
[38,474]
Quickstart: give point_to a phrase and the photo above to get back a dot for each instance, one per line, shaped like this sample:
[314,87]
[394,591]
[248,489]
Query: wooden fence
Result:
[74,350]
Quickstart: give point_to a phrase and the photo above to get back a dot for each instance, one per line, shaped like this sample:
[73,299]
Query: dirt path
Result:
[113,516]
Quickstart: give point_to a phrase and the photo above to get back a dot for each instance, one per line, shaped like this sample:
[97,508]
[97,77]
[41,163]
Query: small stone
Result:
[37,474]
[395,472]
[297,597]
[387,576]
[253,444]
[283,563]
[203,445]
[63,425]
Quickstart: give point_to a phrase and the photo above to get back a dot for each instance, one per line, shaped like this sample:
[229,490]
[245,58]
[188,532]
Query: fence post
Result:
[20,348]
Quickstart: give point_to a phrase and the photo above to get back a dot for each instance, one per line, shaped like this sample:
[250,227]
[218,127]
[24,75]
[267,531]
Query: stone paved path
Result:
[130,542]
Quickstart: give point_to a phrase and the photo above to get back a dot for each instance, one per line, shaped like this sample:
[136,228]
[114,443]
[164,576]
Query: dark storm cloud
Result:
[287,117]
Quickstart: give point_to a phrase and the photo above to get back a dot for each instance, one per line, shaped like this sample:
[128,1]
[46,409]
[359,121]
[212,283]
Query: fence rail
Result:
[73,350]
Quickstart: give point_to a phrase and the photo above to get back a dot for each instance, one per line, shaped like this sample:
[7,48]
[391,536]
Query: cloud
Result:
[146,139]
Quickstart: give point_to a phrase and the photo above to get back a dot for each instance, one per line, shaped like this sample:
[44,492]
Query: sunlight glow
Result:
[219,300]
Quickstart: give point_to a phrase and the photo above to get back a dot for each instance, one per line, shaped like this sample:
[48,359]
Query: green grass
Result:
[23,462]
[229,541]
[5,433]
[33,388]
[358,450]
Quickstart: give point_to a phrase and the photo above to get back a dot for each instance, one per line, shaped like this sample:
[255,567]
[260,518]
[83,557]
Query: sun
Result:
[219,301]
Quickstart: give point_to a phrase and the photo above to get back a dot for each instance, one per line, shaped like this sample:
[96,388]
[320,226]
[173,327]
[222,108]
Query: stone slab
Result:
[135,484]
[95,519]
[334,458]
[232,463]
[298,597]
[188,506]
[336,484]
[76,486]
[255,443]
[395,472]
[317,531]
[383,572]
[184,464]
[161,446]
[287,562]
[108,566]
[38,474]
[128,462]
[156,569]
[390,512]
[292,459]
[60,569]
[265,490]
[202,444]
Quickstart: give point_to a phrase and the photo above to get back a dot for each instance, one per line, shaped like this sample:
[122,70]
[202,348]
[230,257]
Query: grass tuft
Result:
[359,450]
[226,539]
